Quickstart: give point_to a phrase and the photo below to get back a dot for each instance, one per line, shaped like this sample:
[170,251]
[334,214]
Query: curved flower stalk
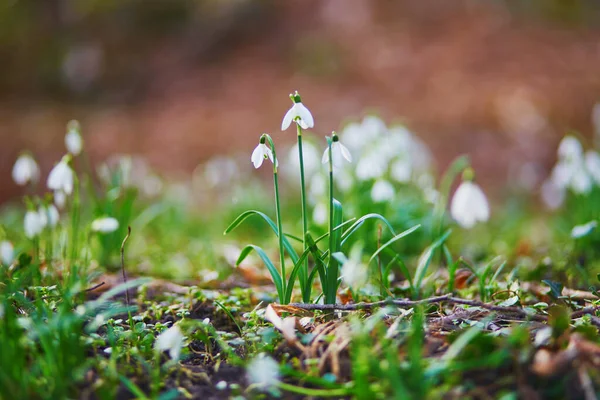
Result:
[469,204]
[25,170]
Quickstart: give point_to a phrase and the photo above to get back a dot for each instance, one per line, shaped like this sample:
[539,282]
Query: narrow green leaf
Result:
[394,239]
[346,235]
[277,280]
[425,260]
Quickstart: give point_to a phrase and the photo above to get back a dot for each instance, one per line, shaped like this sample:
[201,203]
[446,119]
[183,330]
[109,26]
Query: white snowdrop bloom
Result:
[592,164]
[73,140]
[43,216]
[371,166]
[297,113]
[51,214]
[317,187]
[62,177]
[320,214]
[581,181]
[580,231]
[373,127]
[354,273]
[353,136]
[260,154]
[552,195]
[382,191]
[469,205]
[33,223]
[60,198]
[431,195]
[25,170]
[263,371]
[338,152]
[7,252]
[171,340]
[570,149]
[401,170]
[562,174]
[105,225]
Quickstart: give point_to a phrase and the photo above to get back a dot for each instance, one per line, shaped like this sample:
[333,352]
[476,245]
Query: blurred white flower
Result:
[33,223]
[298,113]
[382,191]
[61,177]
[320,214]
[552,195]
[317,187]
[105,225]
[401,170]
[60,198]
[311,158]
[171,340]
[353,137]
[73,140]
[373,127]
[25,170]
[354,273]
[7,252]
[338,152]
[263,371]
[52,215]
[260,154]
[469,205]
[580,231]
[570,149]
[581,181]
[592,163]
[370,166]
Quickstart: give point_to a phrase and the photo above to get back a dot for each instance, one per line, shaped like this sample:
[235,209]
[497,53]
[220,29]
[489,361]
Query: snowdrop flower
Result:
[105,225]
[592,164]
[7,252]
[60,198]
[469,204]
[171,340]
[401,170]
[382,191]
[50,215]
[371,166]
[263,371]
[354,273]
[73,140]
[25,170]
[320,214]
[580,231]
[338,151]
[34,223]
[261,153]
[570,149]
[298,113]
[62,177]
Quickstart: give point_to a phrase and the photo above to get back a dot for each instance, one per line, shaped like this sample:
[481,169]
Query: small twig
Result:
[94,287]
[123,263]
[584,311]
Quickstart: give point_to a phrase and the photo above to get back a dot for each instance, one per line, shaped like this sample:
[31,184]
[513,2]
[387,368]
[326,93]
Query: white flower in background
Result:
[320,214]
[311,157]
[373,127]
[570,149]
[263,372]
[62,177]
[382,191]
[7,252]
[25,170]
[60,198]
[171,340]
[469,205]
[317,188]
[344,180]
[552,195]
[260,154]
[52,215]
[73,140]
[592,164]
[338,152]
[401,170]
[581,181]
[354,273]
[105,225]
[33,223]
[580,231]
[298,113]
[353,137]
[370,166]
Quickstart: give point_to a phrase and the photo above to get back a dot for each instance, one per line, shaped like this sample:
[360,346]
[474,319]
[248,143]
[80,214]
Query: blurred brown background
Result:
[181,80]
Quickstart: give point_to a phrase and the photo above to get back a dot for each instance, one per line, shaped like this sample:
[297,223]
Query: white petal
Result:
[580,231]
[346,153]
[304,115]
[325,158]
[302,123]
[73,142]
[6,252]
[105,225]
[469,205]
[288,118]
[25,170]
[53,215]
[382,191]
[258,156]
[171,340]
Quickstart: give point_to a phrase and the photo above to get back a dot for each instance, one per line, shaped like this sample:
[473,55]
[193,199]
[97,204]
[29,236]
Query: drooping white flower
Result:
[469,205]
[338,152]
[73,140]
[401,170]
[580,231]
[62,177]
[592,163]
[25,170]
[570,149]
[7,252]
[171,340]
[33,223]
[52,215]
[382,191]
[263,371]
[297,113]
[261,153]
[105,225]
[354,273]
[370,166]
[60,198]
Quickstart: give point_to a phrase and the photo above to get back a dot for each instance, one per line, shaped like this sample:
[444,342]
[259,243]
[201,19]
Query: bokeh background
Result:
[179,81]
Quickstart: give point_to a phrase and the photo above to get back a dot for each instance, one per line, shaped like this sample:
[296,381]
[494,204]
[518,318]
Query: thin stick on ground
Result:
[123,263]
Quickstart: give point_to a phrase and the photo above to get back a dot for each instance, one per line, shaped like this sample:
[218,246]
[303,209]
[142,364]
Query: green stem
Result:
[279,225]
[341,392]
[331,272]
[75,219]
[303,273]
